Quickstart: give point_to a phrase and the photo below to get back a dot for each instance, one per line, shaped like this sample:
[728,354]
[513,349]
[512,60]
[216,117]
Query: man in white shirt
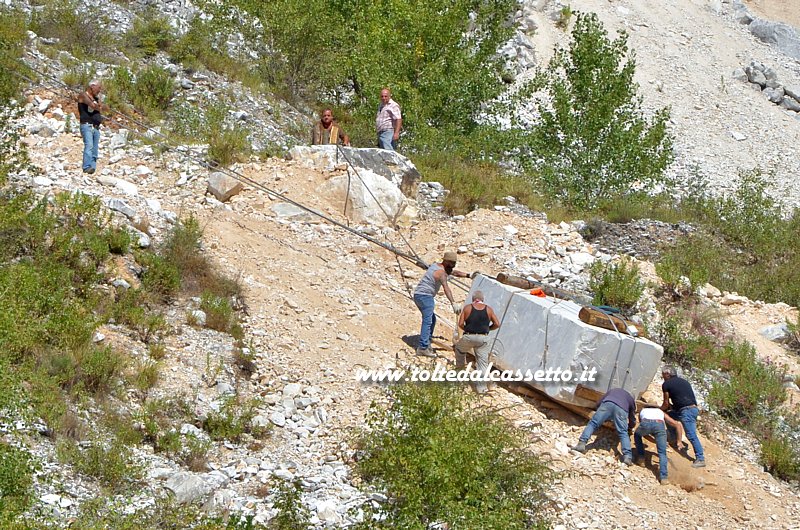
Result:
[388,122]
[653,421]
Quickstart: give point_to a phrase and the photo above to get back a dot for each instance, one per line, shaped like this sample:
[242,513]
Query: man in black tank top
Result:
[477,320]
[90,118]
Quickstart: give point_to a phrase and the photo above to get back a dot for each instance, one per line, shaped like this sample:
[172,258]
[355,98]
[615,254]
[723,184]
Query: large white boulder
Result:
[389,164]
[368,198]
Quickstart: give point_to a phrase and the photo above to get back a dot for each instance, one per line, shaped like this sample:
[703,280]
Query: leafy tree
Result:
[12,43]
[592,140]
[439,57]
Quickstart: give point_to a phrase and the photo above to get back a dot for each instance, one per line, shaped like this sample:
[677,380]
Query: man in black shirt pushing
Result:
[679,392]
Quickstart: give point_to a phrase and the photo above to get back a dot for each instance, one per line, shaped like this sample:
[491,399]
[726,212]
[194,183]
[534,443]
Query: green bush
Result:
[110,461]
[16,480]
[592,140]
[150,34]
[82,35]
[133,309]
[443,460]
[617,284]
[13,155]
[292,514]
[754,387]
[232,420]
[780,456]
[746,243]
[474,184]
[13,36]
[160,277]
[153,89]
[219,313]
[228,145]
[119,89]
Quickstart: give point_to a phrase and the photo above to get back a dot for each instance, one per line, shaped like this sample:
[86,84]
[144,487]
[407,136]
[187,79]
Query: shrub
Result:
[133,310]
[153,89]
[150,34]
[79,76]
[780,456]
[232,420]
[161,277]
[146,376]
[219,313]
[292,514]
[473,185]
[746,245]
[109,461]
[592,140]
[76,32]
[13,154]
[754,387]
[16,480]
[617,284]
[13,37]
[422,451]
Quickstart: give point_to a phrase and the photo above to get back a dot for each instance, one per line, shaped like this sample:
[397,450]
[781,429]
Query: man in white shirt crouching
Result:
[653,421]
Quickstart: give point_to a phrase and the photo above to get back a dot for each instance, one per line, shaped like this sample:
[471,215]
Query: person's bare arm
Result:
[665,403]
[493,317]
[346,140]
[85,97]
[678,426]
[398,124]
[462,318]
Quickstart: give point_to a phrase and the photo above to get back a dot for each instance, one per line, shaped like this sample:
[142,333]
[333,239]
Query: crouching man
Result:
[619,406]
[653,422]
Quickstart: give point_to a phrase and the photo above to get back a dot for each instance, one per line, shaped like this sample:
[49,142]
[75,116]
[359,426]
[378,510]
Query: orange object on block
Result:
[538,292]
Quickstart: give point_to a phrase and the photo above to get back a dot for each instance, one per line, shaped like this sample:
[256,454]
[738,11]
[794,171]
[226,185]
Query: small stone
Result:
[278,419]
[143,171]
[222,186]
[121,283]
[739,137]
[199,316]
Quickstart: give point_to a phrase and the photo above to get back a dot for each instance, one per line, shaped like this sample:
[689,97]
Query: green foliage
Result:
[754,387]
[16,480]
[110,461]
[292,513]
[134,309]
[13,37]
[150,34]
[438,57]
[77,32]
[167,514]
[746,244]
[149,90]
[592,140]
[78,77]
[13,155]
[146,376]
[161,276]
[219,313]
[780,456]
[617,284]
[794,334]
[442,459]
[232,420]
[153,90]
[473,184]
[750,392]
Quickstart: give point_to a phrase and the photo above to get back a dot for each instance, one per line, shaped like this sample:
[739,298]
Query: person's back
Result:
[680,392]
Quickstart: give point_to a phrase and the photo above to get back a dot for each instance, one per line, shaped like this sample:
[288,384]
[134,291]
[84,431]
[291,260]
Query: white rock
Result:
[732,299]
[42,181]
[326,511]
[292,390]
[126,188]
[153,204]
[143,171]
[581,258]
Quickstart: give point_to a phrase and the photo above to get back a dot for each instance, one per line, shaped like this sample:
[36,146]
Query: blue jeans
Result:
[386,140]
[91,141]
[605,411]
[425,303]
[688,418]
[657,429]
